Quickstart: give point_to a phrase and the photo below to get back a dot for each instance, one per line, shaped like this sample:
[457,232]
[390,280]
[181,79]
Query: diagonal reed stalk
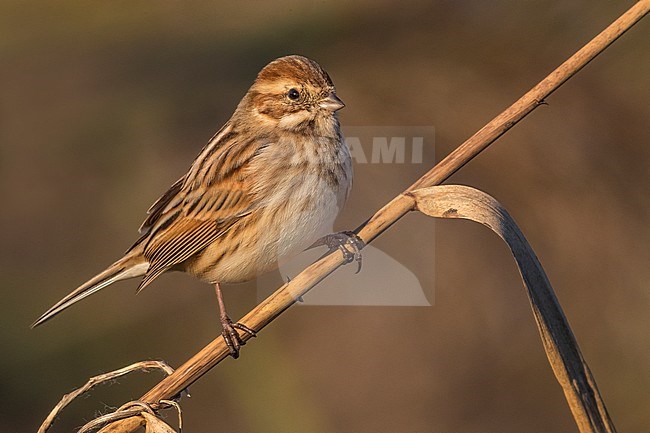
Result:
[287,295]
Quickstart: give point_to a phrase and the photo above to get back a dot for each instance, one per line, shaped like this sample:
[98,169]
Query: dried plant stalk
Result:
[286,295]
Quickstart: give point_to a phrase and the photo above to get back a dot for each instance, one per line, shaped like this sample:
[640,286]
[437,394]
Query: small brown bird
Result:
[266,185]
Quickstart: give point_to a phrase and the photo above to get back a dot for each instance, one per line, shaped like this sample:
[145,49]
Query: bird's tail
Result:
[130,266]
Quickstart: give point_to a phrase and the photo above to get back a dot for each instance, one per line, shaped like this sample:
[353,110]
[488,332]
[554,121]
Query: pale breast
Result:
[299,197]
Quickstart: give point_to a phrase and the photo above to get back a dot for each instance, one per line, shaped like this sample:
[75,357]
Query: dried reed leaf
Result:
[570,368]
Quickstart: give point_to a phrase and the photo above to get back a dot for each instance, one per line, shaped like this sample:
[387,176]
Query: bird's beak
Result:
[331,103]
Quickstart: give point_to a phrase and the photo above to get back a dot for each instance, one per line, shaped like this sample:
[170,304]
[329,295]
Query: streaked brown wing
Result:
[172,247]
[201,206]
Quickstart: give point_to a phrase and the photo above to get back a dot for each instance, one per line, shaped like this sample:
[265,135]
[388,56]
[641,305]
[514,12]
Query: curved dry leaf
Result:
[569,366]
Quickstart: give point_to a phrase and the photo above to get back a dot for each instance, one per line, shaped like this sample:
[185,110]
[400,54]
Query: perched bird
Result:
[265,186]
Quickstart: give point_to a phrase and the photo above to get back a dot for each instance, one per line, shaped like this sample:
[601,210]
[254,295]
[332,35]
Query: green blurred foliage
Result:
[104,104]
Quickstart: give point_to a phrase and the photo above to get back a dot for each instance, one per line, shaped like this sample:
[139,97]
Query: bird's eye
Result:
[293,94]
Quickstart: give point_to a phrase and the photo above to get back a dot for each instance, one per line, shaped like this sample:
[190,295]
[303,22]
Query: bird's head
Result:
[294,93]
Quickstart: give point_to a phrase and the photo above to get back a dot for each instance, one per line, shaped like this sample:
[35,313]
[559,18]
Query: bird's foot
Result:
[231,336]
[344,242]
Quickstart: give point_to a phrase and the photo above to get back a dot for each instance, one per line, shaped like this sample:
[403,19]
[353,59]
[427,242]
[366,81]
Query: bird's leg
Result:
[230,334]
[340,241]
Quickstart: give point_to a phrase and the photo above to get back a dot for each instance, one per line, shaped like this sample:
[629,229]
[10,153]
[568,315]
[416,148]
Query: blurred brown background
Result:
[105,104]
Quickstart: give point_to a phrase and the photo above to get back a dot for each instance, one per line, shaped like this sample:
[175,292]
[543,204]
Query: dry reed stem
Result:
[560,345]
[287,295]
